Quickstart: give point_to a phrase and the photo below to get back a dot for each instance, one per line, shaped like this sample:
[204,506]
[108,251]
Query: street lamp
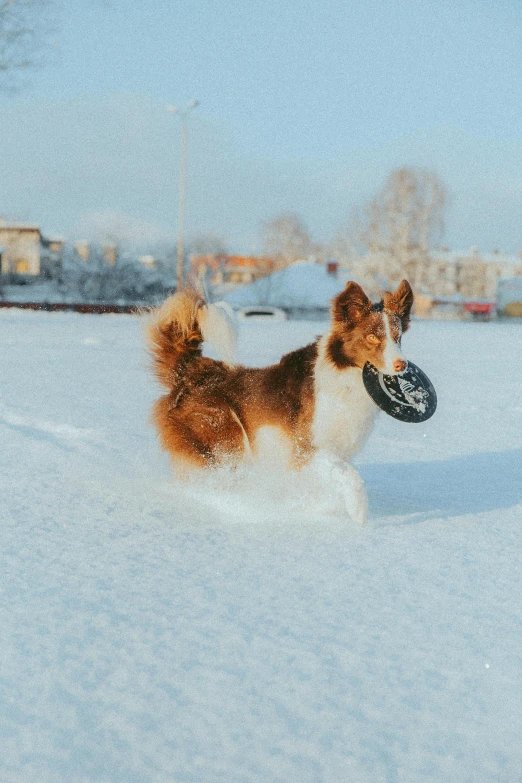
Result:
[183,114]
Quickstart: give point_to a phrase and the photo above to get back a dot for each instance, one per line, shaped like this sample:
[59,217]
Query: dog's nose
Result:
[399,365]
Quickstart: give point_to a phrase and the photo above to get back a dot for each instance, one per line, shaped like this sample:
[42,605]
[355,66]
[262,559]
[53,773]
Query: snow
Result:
[239,628]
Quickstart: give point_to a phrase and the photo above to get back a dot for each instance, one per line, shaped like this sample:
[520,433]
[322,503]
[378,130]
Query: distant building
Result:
[509,297]
[468,274]
[110,253]
[20,247]
[54,244]
[148,261]
[51,258]
[83,250]
[471,274]
[219,269]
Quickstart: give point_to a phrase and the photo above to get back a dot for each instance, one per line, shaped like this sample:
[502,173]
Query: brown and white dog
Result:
[213,411]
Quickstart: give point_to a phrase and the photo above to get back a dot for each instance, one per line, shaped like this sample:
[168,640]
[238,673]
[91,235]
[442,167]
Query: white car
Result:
[261,313]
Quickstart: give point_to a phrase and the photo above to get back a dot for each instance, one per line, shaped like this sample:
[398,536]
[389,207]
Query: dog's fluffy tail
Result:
[178,328]
[217,326]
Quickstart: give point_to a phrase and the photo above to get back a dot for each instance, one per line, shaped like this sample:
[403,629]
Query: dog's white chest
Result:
[344,413]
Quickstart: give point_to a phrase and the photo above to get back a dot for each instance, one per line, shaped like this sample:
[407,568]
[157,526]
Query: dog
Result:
[214,411]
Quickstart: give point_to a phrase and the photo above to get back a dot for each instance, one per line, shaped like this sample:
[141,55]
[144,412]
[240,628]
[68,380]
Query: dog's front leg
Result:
[348,482]
[355,494]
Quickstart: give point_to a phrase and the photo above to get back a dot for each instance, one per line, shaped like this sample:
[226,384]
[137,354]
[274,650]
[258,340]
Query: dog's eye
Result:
[372,338]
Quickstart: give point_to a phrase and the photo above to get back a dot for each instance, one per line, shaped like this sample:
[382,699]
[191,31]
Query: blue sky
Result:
[304,107]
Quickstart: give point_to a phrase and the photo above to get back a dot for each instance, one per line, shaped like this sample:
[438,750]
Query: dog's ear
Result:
[400,302]
[351,305]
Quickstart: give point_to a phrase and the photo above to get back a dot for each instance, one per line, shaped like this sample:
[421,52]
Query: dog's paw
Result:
[356,506]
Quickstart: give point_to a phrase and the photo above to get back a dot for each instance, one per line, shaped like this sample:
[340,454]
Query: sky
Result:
[304,107]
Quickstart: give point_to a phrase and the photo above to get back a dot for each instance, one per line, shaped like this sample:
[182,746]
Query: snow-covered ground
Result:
[155,633]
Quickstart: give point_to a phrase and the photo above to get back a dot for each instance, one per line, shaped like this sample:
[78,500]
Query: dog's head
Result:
[366,332]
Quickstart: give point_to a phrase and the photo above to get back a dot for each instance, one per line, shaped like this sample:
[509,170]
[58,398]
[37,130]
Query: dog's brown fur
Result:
[213,410]
[355,319]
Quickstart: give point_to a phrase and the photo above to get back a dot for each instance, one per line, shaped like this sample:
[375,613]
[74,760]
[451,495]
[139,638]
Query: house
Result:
[303,289]
[20,248]
[110,253]
[54,244]
[83,250]
[469,274]
[509,297]
[147,260]
[223,269]
[472,274]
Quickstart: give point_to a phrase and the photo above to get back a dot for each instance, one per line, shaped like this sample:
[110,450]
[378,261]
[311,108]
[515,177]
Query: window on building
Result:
[22,266]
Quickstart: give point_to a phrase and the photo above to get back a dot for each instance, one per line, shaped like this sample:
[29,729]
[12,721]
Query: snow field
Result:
[240,629]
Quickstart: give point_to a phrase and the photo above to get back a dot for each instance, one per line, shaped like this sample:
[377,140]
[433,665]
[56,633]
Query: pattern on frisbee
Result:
[408,396]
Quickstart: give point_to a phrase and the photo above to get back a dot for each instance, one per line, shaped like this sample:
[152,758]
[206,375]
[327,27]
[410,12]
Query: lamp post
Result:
[183,114]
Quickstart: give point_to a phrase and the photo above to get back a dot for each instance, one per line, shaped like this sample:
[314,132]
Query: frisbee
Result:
[408,396]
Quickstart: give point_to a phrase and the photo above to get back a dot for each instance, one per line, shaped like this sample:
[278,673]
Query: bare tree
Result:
[126,281]
[403,223]
[286,239]
[345,245]
[24,35]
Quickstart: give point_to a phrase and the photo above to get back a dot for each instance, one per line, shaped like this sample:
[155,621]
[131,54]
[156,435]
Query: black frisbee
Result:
[409,396]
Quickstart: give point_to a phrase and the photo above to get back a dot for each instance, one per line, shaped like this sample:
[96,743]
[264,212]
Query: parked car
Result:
[261,313]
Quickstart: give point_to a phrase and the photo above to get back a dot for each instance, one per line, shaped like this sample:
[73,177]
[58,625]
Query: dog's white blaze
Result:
[392,350]
[344,412]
